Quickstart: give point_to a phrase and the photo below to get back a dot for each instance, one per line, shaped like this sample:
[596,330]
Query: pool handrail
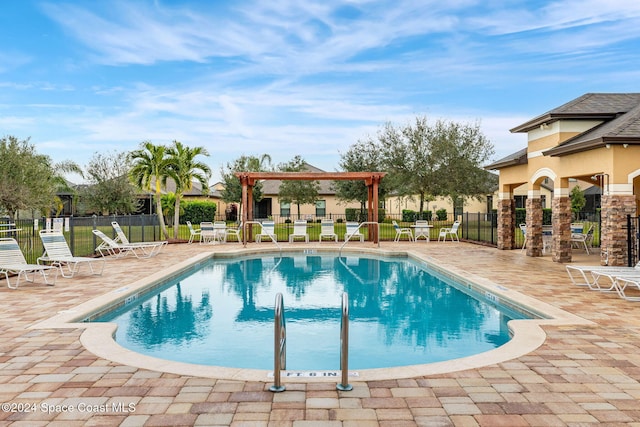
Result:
[344,345]
[279,345]
[244,235]
[357,229]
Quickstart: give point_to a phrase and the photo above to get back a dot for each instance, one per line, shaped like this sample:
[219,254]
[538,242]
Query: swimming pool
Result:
[400,313]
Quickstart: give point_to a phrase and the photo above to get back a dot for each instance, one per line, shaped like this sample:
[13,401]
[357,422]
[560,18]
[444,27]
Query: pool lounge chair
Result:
[12,261]
[449,232]
[327,230]
[121,237]
[402,231]
[267,229]
[58,253]
[109,246]
[579,275]
[622,282]
[352,231]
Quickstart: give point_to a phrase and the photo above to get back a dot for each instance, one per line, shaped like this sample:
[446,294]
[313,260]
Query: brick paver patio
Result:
[581,375]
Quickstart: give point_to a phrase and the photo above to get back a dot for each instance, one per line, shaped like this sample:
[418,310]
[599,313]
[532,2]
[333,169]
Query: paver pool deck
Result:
[582,374]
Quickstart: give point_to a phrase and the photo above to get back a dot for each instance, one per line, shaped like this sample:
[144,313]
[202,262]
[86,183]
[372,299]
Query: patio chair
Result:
[58,253]
[352,231]
[109,246]
[230,231]
[583,239]
[299,231]
[154,247]
[207,232]
[421,229]
[449,232]
[12,261]
[400,231]
[192,232]
[523,229]
[327,230]
[267,229]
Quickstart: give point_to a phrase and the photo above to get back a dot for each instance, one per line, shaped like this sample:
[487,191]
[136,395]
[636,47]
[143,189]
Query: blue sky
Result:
[288,77]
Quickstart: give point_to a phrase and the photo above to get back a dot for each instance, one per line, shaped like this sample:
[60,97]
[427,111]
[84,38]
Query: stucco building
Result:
[593,138]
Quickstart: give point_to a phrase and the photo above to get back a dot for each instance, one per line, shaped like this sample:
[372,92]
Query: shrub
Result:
[441,214]
[197,211]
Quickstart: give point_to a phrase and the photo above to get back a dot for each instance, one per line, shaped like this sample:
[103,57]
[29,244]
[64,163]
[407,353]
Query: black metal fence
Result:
[633,240]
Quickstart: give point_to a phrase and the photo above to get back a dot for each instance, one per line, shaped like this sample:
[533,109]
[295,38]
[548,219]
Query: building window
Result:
[285,209]
[321,208]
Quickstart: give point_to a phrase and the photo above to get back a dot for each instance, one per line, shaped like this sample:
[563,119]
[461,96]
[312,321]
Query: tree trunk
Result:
[176,217]
[163,227]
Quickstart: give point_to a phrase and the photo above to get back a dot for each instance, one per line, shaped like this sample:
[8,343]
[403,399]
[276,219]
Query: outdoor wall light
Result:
[608,146]
[625,145]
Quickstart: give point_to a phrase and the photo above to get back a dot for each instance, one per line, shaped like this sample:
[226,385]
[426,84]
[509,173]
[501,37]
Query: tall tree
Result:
[232,192]
[443,159]
[29,180]
[151,165]
[297,192]
[184,169]
[363,156]
[110,191]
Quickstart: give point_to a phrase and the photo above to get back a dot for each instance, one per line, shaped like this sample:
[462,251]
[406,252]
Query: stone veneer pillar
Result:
[561,222]
[613,234]
[534,226]
[506,223]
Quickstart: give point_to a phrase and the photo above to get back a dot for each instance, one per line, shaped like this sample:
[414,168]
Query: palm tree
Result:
[151,164]
[184,169]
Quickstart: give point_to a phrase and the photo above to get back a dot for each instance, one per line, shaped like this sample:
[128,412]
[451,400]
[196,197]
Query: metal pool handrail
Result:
[358,229]
[244,235]
[279,345]
[344,345]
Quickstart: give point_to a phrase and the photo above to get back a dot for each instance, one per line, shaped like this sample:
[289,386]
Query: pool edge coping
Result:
[97,338]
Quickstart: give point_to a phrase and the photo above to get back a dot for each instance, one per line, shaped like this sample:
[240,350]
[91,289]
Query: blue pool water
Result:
[222,314]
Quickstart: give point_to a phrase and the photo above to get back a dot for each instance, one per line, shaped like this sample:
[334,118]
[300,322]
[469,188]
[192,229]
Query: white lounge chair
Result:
[449,232]
[578,275]
[622,282]
[230,231]
[58,253]
[192,232]
[421,229]
[400,231]
[12,261]
[327,230]
[267,229]
[153,247]
[109,246]
[299,231]
[352,231]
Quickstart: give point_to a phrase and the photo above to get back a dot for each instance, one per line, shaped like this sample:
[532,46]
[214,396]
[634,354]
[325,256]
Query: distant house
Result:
[592,139]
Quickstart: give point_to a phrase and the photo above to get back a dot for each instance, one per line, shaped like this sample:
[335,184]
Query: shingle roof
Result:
[620,113]
[517,158]
[604,106]
[272,187]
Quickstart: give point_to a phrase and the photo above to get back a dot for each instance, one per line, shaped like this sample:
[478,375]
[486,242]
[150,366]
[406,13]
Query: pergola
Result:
[371,180]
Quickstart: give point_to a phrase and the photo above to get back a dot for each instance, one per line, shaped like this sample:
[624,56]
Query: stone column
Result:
[561,222]
[506,223]
[613,235]
[534,226]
